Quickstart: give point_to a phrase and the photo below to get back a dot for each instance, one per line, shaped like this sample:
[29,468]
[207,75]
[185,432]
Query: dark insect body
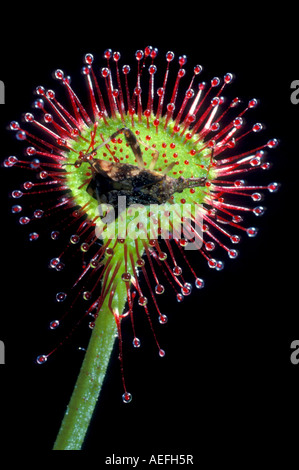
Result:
[139,185]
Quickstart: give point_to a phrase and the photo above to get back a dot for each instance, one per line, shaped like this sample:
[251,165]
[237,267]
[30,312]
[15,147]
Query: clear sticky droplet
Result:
[127,397]
[61,296]
[33,236]
[86,295]
[140,263]
[180,297]
[210,246]
[186,289]
[24,220]
[38,213]
[259,210]
[55,234]
[237,219]
[219,265]
[252,231]
[54,262]
[177,270]
[256,197]
[163,319]
[60,266]
[162,256]
[28,185]
[136,342]
[142,301]
[41,359]
[17,194]
[126,277]
[94,263]
[16,209]
[232,254]
[159,289]
[235,238]
[199,283]
[161,352]
[74,239]
[273,187]
[54,324]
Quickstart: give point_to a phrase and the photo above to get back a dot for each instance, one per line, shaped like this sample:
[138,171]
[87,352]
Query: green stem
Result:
[91,376]
[89,383]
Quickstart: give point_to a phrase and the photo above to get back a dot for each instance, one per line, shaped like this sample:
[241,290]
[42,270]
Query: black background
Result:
[226,383]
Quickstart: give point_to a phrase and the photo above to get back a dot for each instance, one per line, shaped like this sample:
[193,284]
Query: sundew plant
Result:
[143,173]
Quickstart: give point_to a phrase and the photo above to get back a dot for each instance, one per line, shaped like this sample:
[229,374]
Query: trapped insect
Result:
[135,183]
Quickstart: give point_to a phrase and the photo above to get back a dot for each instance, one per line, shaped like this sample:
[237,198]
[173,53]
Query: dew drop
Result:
[60,296]
[162,256]
[136,342]
[127,397]
[180,297]
[54,324]
[41,359]
[91,325]
[161,352]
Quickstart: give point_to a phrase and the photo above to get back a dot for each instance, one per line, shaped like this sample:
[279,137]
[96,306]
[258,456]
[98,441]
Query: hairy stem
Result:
[89,383]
